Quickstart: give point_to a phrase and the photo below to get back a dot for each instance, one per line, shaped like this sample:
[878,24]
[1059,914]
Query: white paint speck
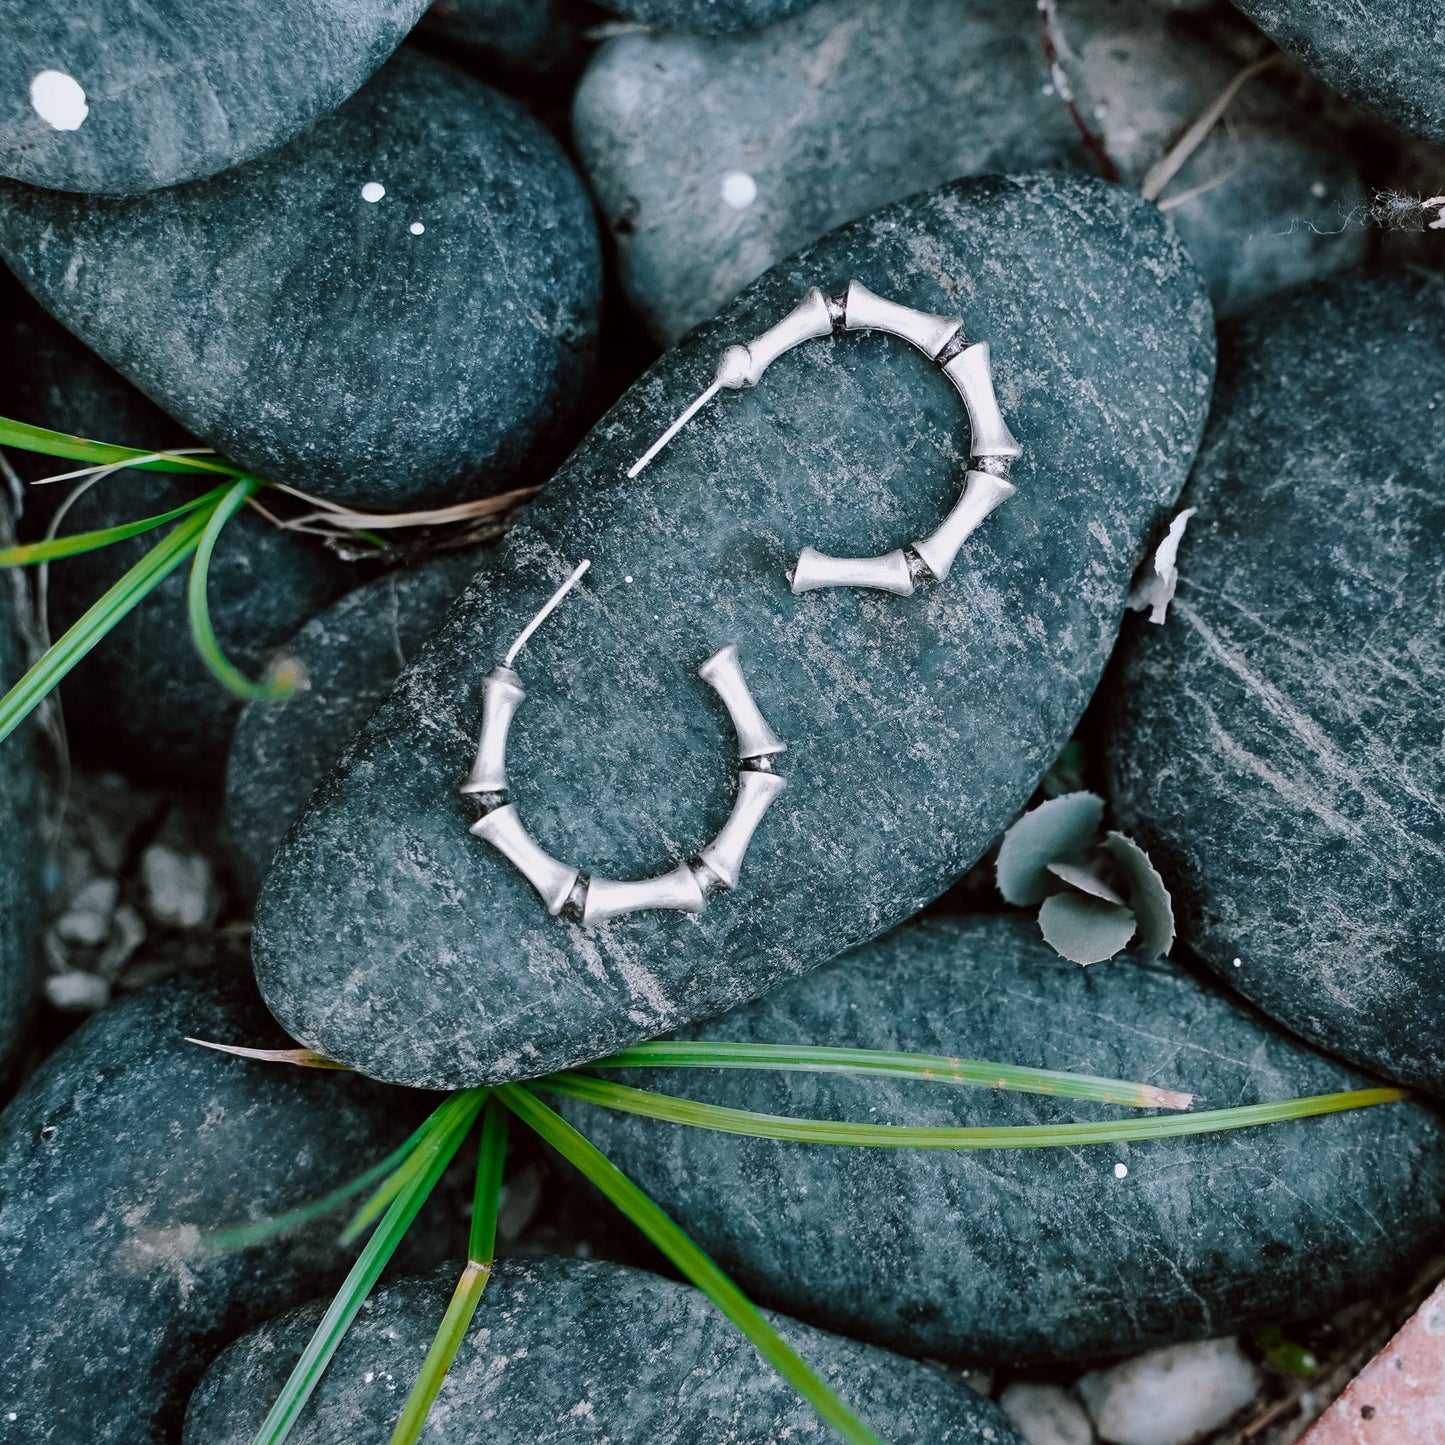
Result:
[1239,963]
[59,100]
[627,579]
[739,190]
[373,191]
[416,228]
[1121,1171]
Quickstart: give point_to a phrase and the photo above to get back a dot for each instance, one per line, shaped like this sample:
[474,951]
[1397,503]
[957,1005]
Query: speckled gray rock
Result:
[1029,1255]
[573,1350]
[170,91]
[310,333]
[1384,55]
[20,848]
[708,17]
[1276,745]
[916,728]
[712,158]
[116,1157]
[143,701]
[352,653]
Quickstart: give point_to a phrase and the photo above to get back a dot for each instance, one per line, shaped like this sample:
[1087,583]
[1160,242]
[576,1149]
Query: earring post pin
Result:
[547,609]
[673,430]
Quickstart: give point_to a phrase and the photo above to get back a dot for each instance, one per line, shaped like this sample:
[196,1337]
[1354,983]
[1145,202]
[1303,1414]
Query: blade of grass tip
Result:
[117,602]
[445,1130]
[25,437]
[467,1296]
[926,1068]
[725,1120]
[78,542]
[241,1236]
[283,681]
[694,1263]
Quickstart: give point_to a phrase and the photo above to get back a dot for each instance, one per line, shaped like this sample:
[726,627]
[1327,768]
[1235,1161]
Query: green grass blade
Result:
[283,682]
[148,573]
[49,443]
[443,1136]
[468,1294]
[241,1235]
[926,1068]
[901,1136]
[72,546]
[691,1261]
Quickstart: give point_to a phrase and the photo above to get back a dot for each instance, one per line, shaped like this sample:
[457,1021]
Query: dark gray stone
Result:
[861,102]
[143,701]
[176,91]
[1023,1256]
[530,43]
[124,1149]
[1384,56]
[708,17]
[389,937]
[352,654]
[20,845]
[1276,744]
[571,1350]
[305,332]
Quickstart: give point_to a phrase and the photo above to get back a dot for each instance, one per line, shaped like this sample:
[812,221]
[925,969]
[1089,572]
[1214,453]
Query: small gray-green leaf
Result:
[1059,831]
[1147,895]
[1085,930]
[1086,880]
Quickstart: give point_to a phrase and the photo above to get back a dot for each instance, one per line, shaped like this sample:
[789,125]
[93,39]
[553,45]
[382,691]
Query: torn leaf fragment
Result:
[1083,929]
[1154,590]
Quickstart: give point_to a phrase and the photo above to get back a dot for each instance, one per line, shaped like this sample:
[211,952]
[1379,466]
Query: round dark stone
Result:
[570,1349]
[118,1157]
[916,727]
[175,91]
[1384,56]
[708,17]
[352,653]
[713,158]
[1022,1256]
[309,334]
[143,701]
[1276,745]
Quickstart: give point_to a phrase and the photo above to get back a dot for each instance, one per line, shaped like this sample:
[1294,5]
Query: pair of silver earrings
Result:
[687,886]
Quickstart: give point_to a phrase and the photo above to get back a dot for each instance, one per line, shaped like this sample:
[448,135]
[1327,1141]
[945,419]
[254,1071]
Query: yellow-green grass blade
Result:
[691,1261]
[99,619]
[283,680]
[467,1296]
[49,443]
[925,1068]
[33,553]
[443,1136]
[902,1136]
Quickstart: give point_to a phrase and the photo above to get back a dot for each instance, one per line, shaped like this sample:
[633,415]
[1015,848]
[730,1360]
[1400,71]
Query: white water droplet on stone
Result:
[59,100]
[416,228]
[739,190]
[1239,963]
[1121,1171]
[373,191]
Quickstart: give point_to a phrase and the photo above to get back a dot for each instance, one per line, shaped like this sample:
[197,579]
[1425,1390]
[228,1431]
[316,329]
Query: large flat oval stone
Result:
[107,95]
[396,309]
[569,1350]
[118,1156]
[389,937]
[1384,56]
[1277,744]
[1023,1256]
[713,157]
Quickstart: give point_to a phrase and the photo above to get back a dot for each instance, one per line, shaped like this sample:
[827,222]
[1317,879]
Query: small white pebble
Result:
[739,190]
[58,100]
[373,191]
[416,228]
[77,992]
[1046,1414]
[1121,1171]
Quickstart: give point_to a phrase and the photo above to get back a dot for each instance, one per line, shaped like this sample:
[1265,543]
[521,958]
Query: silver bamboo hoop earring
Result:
[560,885]
[966,364]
